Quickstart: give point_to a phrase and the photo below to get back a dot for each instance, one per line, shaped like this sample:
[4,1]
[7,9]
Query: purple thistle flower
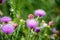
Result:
[5,19]
[32,23]
[39,13]
[2,1]
[8,29]
[37,29]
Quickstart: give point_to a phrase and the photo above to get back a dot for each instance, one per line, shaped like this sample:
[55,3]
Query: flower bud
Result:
[37,29]
[30,16]
[51,23]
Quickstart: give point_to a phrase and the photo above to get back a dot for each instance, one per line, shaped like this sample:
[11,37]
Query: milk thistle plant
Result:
[33,31]
[34,27]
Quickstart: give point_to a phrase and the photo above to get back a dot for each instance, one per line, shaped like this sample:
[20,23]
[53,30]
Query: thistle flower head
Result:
[2,1]
[5,19]
[39,13]
[32,23]
[8,28]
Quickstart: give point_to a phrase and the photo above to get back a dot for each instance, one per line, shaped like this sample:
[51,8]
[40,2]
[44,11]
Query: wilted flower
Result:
[8,29]
[5,19]
[57,32]
[43,24]
[15,25]
[32,23]
[51,23]
[39,13]
[2,1]
[30,16]
[37,29]
[52,37]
